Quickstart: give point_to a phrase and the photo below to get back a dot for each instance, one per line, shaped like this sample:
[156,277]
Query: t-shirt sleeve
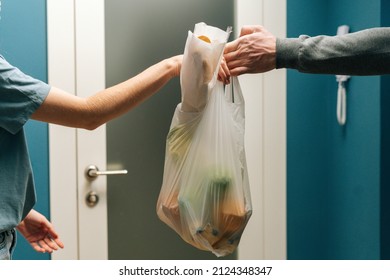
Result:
[20,96]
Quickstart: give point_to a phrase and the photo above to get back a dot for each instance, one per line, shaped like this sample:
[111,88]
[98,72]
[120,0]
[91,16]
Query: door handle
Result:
[92,171]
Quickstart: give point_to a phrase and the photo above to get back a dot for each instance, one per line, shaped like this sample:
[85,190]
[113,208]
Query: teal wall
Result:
[23,44]
[385,160]
[336,176]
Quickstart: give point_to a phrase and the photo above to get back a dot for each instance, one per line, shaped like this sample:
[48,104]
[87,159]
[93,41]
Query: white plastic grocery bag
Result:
[205,194]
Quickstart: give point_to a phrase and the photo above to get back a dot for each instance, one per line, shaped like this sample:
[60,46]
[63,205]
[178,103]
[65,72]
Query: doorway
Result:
[90,61]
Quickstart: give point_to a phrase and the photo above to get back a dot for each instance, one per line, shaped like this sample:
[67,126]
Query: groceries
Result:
[205,192]
[204,38]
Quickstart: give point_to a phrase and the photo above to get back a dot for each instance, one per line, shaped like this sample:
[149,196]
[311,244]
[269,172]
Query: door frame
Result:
[76,64]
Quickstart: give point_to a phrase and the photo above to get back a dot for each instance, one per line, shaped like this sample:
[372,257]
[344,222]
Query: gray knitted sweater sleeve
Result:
[366,52]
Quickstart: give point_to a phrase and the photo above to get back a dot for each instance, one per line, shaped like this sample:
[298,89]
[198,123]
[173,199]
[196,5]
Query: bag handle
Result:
[233,92]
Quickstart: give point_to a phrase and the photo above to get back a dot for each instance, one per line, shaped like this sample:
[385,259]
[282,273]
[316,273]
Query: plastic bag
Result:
[200,61]
[205,194]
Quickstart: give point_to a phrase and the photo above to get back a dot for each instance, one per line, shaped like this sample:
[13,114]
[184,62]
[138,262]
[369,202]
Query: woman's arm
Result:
[66,109]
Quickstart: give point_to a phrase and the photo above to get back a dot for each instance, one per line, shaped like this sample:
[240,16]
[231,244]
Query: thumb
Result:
[249,29]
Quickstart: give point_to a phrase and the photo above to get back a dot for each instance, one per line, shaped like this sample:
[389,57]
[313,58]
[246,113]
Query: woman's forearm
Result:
[91,112]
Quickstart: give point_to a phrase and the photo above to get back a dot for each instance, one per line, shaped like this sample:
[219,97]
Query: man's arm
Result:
[257,50]
[365,52]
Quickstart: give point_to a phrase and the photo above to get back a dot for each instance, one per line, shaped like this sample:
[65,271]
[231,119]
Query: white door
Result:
[89,49]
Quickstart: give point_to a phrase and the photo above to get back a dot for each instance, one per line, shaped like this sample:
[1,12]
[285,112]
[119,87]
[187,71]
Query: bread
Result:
[204,38]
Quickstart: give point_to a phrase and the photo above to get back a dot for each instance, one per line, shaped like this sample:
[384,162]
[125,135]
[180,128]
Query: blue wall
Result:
[335,175]
[23,44]
[385,149]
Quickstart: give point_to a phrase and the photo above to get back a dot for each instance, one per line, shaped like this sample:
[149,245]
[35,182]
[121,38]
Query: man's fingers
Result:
[231,47]
[238,71]
[249,29]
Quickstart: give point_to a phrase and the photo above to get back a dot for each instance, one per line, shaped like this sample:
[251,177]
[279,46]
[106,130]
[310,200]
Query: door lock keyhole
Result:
[92,199]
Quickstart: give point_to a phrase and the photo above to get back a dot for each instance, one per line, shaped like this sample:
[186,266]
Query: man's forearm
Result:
[361,53]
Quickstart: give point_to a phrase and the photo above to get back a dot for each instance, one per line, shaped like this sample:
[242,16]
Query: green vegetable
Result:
[179,139]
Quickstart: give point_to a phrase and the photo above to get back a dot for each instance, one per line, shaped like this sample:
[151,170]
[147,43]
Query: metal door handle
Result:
[92,172]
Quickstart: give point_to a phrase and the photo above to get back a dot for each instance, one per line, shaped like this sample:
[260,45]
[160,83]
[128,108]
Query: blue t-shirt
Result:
[20,96]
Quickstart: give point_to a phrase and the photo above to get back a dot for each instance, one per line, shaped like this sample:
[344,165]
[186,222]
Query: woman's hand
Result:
[40,233]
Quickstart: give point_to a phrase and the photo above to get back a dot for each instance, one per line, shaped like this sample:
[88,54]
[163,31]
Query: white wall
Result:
[265,101]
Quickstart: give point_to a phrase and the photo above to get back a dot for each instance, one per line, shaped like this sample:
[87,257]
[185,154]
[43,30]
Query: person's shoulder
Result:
[3,61]
[2,57]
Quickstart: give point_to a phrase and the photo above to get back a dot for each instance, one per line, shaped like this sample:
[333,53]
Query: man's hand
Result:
[253,52]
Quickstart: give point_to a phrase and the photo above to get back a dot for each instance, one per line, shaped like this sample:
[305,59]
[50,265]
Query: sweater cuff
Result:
[287,51]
